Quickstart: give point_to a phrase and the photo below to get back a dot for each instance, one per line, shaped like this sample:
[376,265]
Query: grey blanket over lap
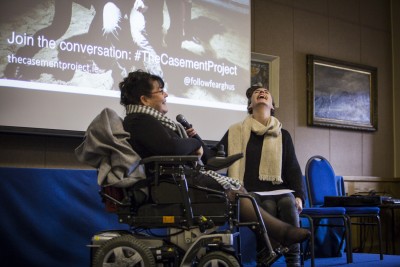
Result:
[106,148]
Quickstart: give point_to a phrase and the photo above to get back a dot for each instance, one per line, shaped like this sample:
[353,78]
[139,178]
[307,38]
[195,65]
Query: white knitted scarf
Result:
[271,155]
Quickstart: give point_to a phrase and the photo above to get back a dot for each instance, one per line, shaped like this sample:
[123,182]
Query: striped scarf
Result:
[167,122]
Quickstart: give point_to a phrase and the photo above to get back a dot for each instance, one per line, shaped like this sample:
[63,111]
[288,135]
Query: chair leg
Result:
[349,250]
[378,220]
[361,236]
[312,244]
[311,241]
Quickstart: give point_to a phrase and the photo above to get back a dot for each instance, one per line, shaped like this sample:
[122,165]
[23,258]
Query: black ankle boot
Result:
[292,259]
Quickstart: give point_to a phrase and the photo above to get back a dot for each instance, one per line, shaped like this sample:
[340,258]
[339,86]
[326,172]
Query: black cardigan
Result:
[291,171]
[151,138]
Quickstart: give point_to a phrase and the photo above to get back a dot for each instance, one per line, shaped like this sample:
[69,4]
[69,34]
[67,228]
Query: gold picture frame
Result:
[341,94]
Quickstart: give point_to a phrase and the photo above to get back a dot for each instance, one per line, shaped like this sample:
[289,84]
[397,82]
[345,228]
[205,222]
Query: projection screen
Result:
[61,61]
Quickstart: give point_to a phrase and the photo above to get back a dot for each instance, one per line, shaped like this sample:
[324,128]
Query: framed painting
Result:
[265,71]
[341,94]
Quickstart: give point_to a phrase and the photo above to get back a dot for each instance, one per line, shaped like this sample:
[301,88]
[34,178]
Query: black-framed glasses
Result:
[159,91]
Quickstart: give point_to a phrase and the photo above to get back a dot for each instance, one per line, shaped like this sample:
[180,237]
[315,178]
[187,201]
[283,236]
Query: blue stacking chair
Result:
[360,212]
[321,182]
[315,213]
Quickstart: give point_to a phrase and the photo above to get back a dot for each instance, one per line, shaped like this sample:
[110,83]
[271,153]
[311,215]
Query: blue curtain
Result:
[48,217]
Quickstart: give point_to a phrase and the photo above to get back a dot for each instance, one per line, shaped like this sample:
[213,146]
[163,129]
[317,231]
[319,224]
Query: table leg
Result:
[393,231]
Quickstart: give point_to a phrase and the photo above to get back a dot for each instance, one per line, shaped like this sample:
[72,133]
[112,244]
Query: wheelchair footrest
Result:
[267,258]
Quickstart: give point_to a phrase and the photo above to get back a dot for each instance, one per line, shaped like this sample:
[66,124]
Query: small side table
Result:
[391,208]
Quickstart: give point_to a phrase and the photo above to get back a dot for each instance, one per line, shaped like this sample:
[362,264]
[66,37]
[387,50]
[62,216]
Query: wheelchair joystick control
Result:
[205,223]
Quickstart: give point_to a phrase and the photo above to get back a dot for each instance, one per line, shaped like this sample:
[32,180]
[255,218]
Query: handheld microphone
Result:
[181,119]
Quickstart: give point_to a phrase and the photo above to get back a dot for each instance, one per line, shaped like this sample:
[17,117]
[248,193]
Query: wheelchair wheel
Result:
[218,259]
[123,251]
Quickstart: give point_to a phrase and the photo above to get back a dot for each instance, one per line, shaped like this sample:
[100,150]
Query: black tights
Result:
[280,231]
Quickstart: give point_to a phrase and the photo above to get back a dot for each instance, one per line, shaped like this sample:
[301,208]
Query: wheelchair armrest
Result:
[172,160]
[218,163]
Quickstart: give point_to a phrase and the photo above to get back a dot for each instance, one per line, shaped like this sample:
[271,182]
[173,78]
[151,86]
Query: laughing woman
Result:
[269,163]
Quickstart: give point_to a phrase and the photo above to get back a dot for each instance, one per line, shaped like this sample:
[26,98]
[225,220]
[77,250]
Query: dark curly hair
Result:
[136,84]
[249,93]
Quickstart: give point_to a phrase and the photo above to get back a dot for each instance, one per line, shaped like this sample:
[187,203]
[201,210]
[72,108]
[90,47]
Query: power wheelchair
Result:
[171,222]
[191,216]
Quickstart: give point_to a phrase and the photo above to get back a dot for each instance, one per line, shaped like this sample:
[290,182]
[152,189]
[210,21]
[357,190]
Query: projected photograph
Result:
[200,47]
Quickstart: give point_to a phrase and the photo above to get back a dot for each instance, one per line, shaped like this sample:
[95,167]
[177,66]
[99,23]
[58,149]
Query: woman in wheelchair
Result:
[154,134]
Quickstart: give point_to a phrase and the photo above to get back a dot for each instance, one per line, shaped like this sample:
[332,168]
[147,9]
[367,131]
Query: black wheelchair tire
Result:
[218,258]
[119,251]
